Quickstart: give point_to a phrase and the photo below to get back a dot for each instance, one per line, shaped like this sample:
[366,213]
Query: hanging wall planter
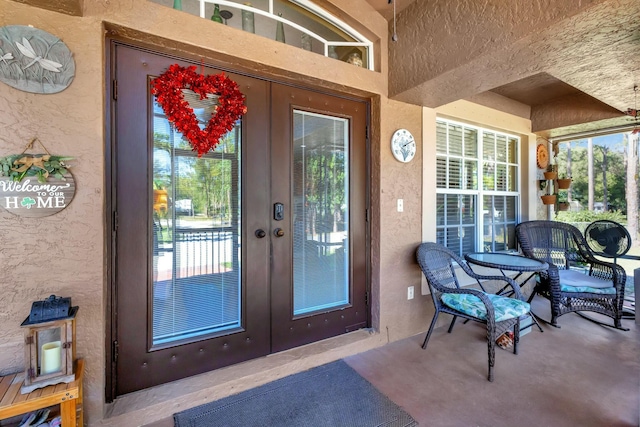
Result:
[563,206]
[564,183]
[548,199]
[550,175]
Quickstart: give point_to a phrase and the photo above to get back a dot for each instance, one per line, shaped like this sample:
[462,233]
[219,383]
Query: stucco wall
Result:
[400,232]
[64,254]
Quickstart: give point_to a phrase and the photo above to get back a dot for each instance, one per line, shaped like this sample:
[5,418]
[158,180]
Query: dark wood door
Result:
[319,267]
[186,301]
[197,286]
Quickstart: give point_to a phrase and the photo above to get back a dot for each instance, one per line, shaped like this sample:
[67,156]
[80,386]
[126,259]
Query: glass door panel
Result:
[196,244]
[321,212]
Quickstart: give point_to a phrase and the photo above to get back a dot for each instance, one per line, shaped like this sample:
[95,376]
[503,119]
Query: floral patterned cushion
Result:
[504,308]
[605,291]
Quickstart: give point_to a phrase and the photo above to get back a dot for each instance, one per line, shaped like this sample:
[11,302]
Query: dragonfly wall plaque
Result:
[34,61]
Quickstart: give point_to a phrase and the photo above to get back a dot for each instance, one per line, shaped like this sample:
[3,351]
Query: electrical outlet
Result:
[400,205]
[410,292]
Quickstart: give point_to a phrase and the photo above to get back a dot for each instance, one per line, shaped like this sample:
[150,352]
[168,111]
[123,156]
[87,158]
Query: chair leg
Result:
[618,323]
[492,353]
[453,321]
[516,337]
[433,323]
[555,310]
[535,320]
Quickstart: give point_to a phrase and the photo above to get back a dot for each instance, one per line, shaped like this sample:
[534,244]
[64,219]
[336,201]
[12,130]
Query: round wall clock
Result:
[542,156]
[403,146]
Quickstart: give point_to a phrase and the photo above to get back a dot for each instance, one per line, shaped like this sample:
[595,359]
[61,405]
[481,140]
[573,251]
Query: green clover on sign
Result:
[27,202]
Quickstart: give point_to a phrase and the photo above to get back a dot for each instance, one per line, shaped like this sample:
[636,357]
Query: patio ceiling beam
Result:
[68,7]
[456,49]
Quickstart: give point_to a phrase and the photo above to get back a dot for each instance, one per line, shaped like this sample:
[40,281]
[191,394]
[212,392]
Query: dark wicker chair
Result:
[439,266]
[598,288]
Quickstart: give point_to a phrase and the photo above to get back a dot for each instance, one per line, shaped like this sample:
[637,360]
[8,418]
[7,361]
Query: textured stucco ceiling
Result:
[575,63]
[536,90]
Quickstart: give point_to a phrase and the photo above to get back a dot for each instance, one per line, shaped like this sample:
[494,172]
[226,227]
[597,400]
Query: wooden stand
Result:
[68,396]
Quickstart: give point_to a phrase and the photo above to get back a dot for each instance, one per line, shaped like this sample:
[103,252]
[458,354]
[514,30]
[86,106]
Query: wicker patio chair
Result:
[576,281]
[499,313]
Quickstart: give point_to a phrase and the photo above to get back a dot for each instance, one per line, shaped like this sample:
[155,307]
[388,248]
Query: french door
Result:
[256,247]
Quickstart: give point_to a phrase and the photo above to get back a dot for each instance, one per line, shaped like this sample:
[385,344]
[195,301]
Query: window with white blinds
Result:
[477,188]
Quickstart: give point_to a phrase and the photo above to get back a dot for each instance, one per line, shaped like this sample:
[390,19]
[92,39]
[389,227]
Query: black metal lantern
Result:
[50,350]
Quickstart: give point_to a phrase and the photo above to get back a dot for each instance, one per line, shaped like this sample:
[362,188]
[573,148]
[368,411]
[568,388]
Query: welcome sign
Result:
[30,198]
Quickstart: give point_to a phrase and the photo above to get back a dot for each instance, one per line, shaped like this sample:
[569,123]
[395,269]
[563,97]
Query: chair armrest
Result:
[608,271]
[552,276]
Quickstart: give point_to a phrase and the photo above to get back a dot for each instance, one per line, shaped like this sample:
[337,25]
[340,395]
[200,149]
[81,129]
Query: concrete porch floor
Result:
[582,374]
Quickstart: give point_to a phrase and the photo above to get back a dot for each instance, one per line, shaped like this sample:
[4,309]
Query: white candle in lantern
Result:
[51,355]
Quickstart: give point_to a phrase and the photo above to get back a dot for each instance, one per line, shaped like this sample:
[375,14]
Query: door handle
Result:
[260,233]
[278,232]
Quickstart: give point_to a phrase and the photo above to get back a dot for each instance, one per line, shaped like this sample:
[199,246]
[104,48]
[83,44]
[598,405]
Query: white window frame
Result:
[480,192]
[313,8]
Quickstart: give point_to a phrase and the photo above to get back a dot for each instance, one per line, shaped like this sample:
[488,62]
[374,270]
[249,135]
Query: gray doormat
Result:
[329,395]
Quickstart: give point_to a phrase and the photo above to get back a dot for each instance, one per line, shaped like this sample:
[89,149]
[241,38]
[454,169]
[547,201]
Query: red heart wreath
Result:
[168,90]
